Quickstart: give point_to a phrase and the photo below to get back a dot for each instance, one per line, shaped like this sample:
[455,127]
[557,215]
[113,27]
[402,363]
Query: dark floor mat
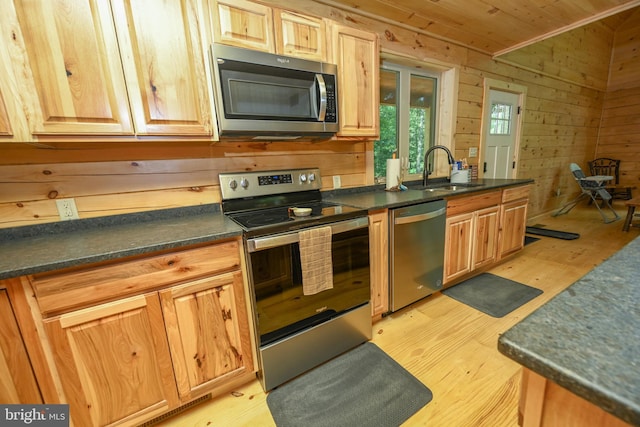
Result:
[530,239]
[491,294]
[552,233]
[362,387]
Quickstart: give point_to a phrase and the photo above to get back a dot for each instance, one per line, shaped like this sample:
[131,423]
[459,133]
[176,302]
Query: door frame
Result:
[503,86]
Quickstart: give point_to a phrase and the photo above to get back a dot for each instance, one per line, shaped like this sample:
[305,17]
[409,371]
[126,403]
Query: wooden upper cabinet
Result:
[5,126]
[163,60]
[300,36]
[18,384]
[114,362]
[243,23]
[357,55]
[70,50]
[255,26]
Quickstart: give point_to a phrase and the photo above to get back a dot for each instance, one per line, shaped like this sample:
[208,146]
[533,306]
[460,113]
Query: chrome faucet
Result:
[426,171]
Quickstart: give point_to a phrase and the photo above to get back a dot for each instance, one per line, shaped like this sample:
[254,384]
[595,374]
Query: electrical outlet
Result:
[67,209]
[337,183]
[473,151]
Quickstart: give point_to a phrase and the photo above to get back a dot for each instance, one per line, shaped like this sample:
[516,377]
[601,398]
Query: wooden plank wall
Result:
[125,178]
[561,126]
[620,128]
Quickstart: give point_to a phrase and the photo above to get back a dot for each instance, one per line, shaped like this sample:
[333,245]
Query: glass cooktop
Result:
[283,215]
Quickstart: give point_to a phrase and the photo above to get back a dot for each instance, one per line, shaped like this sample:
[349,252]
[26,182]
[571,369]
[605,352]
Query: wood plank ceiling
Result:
[492,26]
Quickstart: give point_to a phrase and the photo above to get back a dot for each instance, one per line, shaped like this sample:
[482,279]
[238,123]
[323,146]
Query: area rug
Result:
[362,387]
[491,294]
[552,233]
[530,239]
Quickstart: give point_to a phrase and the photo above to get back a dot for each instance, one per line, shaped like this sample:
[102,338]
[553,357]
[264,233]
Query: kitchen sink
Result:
[449,187]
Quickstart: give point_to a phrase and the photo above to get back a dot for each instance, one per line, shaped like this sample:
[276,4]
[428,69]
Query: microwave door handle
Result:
[323,97]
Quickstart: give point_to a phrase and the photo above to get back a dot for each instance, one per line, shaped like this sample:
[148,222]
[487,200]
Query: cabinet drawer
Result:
[464,204]
[515,193]
[70,289]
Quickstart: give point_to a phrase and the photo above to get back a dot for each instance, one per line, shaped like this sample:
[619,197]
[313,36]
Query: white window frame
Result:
[404,93]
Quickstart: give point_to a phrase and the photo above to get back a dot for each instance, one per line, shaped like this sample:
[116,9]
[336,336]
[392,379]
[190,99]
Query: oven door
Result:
[275,271]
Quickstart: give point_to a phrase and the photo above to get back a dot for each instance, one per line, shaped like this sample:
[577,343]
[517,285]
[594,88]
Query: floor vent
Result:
[176,411]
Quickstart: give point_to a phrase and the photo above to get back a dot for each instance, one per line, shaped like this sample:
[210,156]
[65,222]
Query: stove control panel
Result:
[237,185]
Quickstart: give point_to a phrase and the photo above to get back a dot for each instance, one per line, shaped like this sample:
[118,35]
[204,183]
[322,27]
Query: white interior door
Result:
[501,133]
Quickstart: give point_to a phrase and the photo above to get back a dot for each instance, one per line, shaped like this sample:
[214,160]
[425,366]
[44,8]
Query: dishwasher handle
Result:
[420,217]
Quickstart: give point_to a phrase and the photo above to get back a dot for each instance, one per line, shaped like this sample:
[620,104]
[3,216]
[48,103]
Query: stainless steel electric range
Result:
[298,328]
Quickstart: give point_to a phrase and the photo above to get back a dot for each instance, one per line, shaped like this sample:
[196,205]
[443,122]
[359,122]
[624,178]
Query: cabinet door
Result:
[163,62]
[243,23]
[13,117]
[114,361]
[300,36]
[5,126]
[208,329]
[513,220]
[458,246]
[485,244]
[357,54]
[18,384]
[73,62]
[379,259]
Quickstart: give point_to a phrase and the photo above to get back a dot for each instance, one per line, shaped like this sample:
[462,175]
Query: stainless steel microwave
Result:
[263,95]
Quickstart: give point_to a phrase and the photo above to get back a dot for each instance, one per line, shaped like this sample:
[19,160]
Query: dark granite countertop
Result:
[587,338]
[46,247]
[376,197]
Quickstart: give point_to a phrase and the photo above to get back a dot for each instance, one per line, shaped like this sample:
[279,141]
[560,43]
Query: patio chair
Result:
[607,166]
[592,187]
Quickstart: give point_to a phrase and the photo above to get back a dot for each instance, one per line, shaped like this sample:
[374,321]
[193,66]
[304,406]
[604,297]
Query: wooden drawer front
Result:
[515,193]
[57,292]
[463,204]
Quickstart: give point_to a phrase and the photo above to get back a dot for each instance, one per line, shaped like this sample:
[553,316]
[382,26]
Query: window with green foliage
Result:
[408,99]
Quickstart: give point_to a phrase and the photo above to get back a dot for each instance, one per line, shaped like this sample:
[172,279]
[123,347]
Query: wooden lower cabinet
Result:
[544,403]
[379,260]
[482,229]
[485,237]
[471,242]
[18,384]
[208,343]
[114,362]
[458,246]
[128,359]
[513,220]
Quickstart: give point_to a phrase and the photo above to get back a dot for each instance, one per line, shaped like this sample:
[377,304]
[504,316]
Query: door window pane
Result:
[500,119]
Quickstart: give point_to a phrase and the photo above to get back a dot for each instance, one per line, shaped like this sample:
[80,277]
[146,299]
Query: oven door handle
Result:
[267,242]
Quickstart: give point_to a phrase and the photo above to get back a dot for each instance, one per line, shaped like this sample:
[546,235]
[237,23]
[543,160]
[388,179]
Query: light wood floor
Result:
[451,347]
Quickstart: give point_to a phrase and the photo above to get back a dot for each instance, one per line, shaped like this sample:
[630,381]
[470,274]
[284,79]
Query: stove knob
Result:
[233,184]
[244,183]
[312,177]
[303,177]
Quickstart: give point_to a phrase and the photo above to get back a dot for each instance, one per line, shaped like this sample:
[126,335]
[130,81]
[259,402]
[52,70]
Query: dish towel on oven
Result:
[315,260]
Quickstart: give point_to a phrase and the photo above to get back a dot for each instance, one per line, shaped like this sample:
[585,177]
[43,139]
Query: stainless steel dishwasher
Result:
[417,252]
